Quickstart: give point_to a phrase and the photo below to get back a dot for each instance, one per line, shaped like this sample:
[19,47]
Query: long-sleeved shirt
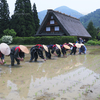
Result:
[1,55]
[17,52]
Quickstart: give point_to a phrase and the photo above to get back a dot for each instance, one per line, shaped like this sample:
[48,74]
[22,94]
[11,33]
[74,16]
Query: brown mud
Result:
[76,77]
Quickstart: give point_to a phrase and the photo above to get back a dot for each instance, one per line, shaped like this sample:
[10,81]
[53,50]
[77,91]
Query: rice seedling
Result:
[36,94]
[99,95]
[79,80]
[58,95]
[52,99]
[19,89]
[69,76]
[63,91]
[67,89]
[74,85]
[56,83]
[82,92]
[41,91]
[86,90]
[3,81]
[79,95]
[75,98]
[10,87]
[89,86]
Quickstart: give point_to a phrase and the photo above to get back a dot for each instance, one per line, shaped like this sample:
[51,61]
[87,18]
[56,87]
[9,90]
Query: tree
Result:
[4,16]
[10,32]
[35,16]
[22,21]
[91,29]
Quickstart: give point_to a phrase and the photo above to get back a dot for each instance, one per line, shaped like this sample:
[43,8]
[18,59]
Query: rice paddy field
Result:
[76,77]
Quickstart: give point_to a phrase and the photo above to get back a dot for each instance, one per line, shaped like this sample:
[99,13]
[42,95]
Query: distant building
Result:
[59,24]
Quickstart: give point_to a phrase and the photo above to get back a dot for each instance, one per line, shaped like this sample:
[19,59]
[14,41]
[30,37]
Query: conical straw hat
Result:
[78,45]
[66,46]
[5,49]
[71,44]
[45,47]
[58,46]
[24,49]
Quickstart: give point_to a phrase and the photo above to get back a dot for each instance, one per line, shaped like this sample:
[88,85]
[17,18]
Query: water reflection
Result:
[70,78]
[71,81]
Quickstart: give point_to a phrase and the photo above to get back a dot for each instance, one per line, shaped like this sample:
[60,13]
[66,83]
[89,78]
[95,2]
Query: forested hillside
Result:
[62,9]
[93,16]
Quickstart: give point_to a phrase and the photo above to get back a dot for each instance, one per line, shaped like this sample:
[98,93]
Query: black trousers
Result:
[13,60]
[58,52]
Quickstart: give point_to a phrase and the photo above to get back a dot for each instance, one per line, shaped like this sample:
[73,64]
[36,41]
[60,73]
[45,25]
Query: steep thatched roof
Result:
[71,26]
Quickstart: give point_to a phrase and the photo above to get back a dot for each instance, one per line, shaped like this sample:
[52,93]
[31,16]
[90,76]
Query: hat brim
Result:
[78,45]
[58,46]
[66,47]
[71,44]
[5,49]
[24,49]
[45,47]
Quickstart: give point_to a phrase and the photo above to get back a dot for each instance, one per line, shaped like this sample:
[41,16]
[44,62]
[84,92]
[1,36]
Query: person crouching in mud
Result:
[18,54]
[4,50]
[35,51]
[56,48]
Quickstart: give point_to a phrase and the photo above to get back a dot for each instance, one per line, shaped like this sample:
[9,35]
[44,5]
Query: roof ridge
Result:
[62,13]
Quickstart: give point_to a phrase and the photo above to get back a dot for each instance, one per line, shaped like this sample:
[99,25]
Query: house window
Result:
[52,22]
[47,28]
[51,17]
[56,28]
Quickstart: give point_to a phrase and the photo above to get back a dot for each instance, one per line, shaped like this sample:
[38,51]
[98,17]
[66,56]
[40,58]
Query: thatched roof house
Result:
[60,24]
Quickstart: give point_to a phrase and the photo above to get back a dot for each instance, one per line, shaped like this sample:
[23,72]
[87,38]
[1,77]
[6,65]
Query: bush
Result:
[10,32]
[92,42]
[7,39]
[44,40]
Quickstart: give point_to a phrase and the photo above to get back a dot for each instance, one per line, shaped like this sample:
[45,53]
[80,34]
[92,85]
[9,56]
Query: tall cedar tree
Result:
[92,30]
[22,20]
[4,16]
[35,16]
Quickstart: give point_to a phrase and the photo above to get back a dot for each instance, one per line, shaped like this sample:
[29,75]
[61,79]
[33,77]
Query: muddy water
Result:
[76,77]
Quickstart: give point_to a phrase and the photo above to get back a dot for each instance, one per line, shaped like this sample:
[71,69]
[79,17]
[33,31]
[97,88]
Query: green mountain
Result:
[93,16]
[62,9]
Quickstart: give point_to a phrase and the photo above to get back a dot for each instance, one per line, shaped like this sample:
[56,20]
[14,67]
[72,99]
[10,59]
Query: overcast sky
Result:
[82,6]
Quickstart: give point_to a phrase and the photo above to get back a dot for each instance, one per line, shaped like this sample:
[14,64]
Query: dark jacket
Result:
[17,52]
[1,55]
[37,49]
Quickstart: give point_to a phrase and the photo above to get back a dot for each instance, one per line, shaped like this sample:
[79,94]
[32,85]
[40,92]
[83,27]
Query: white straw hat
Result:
[71,44]
[45,47]
[5,49]
[58,46]
[24,49]
[79,45]
[66,46]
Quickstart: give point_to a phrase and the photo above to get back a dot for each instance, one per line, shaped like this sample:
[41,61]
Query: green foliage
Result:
[10,32]
[93,42]
[4,16]
[44,40]
[93,16]
[7,39]
[98,35]
[35,16]
[92,30]
[22,20]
